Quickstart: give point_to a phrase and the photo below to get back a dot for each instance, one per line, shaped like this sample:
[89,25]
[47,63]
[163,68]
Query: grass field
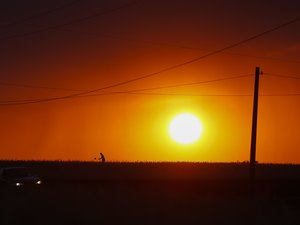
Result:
[153,193]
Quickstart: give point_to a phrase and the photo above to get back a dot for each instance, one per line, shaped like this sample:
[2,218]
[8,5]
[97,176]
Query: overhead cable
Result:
[29,101]
[174,66]
[282,76]
[70,22]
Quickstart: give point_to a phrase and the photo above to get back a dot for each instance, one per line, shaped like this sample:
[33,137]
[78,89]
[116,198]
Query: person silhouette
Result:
[102,157]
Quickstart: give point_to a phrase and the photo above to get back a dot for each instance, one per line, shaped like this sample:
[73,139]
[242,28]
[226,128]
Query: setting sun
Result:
[185,128]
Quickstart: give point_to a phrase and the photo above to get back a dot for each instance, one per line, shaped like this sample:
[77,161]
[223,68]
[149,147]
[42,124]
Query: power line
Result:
[138,92]
[38,87]
[207,95]
[171,45]
[66,5]
[187,95]
[16,102]
[132,91]
[192,83]
[174,94]
[281,95]
[73,21]
[282,76]
[146,89]
[172,67]
[262,57]
[88,92]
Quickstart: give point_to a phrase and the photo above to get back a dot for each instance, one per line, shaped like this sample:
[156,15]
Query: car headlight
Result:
[38,182]
[18,184]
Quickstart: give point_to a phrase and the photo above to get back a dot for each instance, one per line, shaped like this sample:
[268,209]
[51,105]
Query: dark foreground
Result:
[122,198]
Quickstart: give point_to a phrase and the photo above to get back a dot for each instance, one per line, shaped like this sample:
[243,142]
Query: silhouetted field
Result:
[153,193]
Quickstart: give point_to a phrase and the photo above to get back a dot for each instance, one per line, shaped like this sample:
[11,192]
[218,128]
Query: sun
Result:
[185,128]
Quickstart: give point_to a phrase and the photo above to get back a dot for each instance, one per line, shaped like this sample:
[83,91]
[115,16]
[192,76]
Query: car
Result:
[18,176]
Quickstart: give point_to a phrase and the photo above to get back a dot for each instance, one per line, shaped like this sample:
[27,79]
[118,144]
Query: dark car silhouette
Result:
[18,176]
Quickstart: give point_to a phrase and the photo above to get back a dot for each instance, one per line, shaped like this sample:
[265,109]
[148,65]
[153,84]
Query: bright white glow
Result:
[18,184]
[38,182]
[185,128]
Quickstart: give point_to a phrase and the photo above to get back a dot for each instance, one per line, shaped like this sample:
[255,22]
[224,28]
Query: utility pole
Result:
[254,125]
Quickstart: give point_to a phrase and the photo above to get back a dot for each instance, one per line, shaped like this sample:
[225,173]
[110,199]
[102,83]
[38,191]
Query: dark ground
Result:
[153,193]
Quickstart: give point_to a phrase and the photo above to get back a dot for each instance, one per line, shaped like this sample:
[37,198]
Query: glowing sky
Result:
[84,45]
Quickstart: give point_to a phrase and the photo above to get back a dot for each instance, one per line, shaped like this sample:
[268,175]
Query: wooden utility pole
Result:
[254,125]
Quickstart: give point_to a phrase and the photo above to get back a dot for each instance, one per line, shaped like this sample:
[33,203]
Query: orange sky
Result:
[129,127]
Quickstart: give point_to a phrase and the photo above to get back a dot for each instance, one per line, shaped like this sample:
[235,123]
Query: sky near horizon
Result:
[53,49]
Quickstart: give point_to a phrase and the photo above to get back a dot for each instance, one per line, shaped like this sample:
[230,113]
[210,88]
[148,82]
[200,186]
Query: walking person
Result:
[102,157]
